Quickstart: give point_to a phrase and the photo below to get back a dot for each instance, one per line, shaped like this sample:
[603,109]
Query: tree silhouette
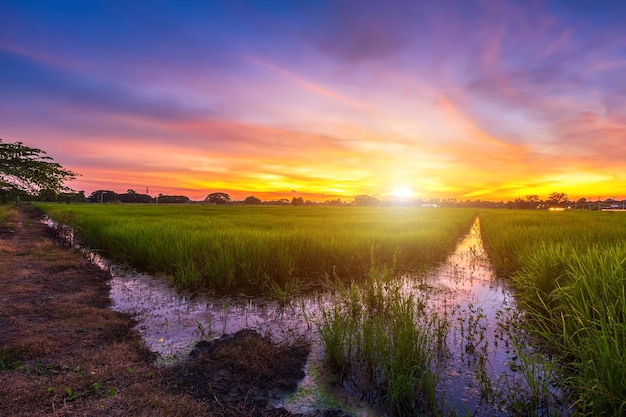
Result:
[31,170]
[366,200]
[557,197]
[217,198]
[252,200]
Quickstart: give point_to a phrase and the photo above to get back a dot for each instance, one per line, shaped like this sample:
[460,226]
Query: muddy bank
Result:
[64,352]
[245,369]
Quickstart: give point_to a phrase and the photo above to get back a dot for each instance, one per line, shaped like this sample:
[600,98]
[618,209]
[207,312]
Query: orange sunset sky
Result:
[490,100]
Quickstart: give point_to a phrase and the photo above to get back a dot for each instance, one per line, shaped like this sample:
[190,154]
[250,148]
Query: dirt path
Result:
[63,352]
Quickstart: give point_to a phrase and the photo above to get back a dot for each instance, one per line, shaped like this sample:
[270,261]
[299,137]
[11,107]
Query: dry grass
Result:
[63,352]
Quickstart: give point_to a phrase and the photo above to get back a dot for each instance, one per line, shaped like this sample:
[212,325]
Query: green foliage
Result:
[379,326]
[217,198]
[256,247]
[31,170]
[569,271]
[252,200]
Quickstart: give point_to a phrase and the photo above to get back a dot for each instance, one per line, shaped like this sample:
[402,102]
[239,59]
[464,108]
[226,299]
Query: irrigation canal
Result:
[485,364]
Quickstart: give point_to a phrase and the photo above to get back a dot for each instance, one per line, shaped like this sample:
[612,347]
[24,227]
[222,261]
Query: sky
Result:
[471,100]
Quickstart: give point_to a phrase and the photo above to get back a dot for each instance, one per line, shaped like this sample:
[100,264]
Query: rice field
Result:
[569,273]
[260,249]
[567,269]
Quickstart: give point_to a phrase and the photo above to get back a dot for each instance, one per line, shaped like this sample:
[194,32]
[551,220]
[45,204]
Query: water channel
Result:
[488,368]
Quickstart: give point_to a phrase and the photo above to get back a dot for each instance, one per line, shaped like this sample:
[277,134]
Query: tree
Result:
[366,200]
[336,202]
[557,198]
[71,197]
[217,198]
[31,170]
[252,200]
[46,194]
[297,201]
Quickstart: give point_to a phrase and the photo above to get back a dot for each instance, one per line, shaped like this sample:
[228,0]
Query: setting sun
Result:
[403,193]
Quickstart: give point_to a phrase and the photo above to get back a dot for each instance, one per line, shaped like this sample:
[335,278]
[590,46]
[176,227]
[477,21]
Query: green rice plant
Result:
[335,334]
[569,273]
[237,248]
[283,292]
[537,389]
[385,330]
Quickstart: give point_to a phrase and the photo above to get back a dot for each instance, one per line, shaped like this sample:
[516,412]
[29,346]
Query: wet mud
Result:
[242,368]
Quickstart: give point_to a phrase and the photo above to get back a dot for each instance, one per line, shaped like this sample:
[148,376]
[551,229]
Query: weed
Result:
[71,394]
[205,330]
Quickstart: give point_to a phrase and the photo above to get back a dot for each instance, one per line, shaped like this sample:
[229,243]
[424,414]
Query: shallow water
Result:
[467,287]
[480,366]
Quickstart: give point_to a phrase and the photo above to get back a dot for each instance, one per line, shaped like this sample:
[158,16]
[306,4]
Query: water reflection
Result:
[479,345]
[171,322]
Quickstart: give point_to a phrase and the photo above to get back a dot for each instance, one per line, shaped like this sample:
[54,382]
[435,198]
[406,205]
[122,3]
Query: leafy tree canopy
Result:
[217,198]
[252,200]
[31,170]
[557,197]
[366,200]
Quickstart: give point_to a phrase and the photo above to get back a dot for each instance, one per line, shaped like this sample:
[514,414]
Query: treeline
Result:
[131,196]
[555,200]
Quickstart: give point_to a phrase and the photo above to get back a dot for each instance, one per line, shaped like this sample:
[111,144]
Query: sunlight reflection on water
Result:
[476,298]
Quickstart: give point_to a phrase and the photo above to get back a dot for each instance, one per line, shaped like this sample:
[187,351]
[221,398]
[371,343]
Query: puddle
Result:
[172,322]
[479,365]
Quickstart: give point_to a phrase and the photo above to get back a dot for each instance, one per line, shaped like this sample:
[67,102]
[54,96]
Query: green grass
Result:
[377,328]
[264,248]
[569,272]
[6,212]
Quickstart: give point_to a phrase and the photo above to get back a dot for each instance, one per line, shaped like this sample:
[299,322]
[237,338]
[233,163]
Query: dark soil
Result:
[243,367]
[64,352]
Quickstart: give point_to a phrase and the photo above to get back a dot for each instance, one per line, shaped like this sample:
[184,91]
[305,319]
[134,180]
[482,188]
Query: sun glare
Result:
[402,192]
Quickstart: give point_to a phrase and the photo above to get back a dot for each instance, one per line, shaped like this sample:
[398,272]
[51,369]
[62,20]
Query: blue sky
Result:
[454,99]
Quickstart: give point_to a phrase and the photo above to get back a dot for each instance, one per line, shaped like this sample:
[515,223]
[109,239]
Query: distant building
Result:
[173,199]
